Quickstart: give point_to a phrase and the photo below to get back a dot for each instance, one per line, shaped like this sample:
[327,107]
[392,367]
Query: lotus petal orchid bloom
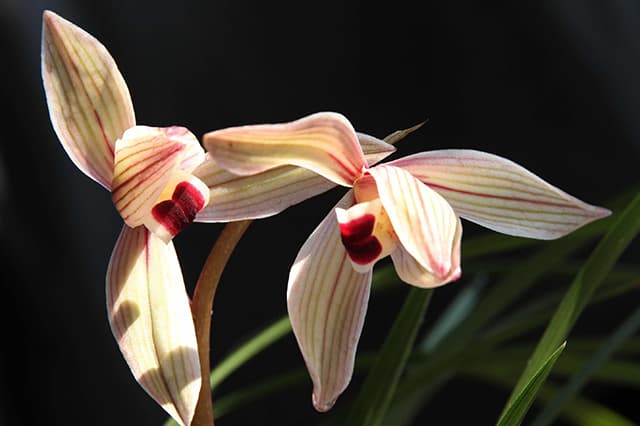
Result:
[161,180]
[409,209]
[149,173]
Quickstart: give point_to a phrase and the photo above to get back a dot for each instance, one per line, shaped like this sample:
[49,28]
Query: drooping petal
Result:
[423,221]
[89,102]
[325,143]
[235,197]
[327,302]
[150,317]
[366,233]
[499,194]
[412,272]
[147,163]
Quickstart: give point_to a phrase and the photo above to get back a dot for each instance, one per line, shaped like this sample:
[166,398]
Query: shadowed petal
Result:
[499,194]
[151,319]
[89,102]
[327,302]
[234,197]
[423,221]
[146,161]
[412,272]
[324,143]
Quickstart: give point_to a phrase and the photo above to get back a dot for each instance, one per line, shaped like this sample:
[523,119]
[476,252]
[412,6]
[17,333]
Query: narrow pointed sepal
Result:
[425,224]
[89,102]
[325,143]
[499,194]
[327,301]
[149,165]
[150,317]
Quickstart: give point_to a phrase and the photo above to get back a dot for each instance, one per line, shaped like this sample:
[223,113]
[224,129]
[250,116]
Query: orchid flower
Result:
[160,180]
[148,171]
[408,209]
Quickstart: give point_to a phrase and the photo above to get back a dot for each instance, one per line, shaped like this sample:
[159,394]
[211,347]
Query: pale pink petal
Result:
[235,197]
[423,221]
[499,194]
[323,142]
[89,102]
[146,161]
[327,301]
[150,317]
[412,272]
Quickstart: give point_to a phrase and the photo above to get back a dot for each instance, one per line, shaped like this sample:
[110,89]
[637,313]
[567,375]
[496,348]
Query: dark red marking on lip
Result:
[358,240]
[178,212]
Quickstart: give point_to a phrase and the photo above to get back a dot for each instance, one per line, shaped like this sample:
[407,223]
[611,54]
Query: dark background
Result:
[551,85]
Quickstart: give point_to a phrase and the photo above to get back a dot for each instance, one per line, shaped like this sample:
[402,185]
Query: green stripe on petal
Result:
[150,317]
[88,99]
[325,143]
[327,302]
[424,222]
[499,194]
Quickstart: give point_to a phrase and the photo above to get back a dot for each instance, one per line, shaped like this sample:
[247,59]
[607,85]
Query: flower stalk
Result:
[202,309]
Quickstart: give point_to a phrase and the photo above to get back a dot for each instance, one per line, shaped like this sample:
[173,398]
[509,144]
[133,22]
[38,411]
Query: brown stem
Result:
[202,308]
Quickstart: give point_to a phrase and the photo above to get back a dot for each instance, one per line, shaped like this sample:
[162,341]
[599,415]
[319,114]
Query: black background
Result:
[551,85]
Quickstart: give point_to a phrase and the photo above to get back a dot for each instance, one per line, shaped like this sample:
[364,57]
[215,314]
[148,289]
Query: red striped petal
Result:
[499,194]
[324,143]
[150,317]
[88,99]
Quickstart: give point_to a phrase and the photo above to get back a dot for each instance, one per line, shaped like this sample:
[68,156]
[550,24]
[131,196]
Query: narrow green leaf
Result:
[257,344]
[594,271]
[516,410]
[378,388]
[580,411]
[578,380]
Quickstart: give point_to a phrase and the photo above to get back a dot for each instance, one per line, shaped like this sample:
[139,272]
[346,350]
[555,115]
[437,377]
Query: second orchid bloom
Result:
[408,209]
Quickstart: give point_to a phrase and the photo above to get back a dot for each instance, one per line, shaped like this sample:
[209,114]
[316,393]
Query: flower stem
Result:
[202,308]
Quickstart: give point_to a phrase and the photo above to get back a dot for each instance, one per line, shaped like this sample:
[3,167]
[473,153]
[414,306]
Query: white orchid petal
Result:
[233,197]
[88,99]
[327,302]
[323,142]
[237,197]
[146,160]
[423,221]
[412,272]
[151,319]
[499,194]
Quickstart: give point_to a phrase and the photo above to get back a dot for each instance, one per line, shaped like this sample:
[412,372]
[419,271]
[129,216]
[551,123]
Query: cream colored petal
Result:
[412,272]
[423,221]
[146,160]
[327,301]
[499,194]
[89,102]
[150,317]
[235,197]
[323,142]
